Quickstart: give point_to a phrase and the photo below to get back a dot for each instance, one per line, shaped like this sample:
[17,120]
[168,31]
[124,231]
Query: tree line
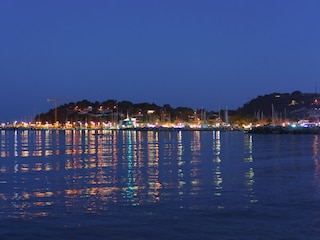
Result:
[113,110]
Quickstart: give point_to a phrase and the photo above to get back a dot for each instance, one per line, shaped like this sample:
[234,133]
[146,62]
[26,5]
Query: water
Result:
[158,185]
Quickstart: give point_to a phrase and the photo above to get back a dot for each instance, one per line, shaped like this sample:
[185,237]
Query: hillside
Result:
[112,110]
[293,106]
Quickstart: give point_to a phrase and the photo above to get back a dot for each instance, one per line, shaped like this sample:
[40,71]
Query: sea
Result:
[127,184]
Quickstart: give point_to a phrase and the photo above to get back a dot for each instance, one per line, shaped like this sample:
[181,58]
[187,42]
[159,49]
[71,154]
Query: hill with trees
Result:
[291,106]
[112,110]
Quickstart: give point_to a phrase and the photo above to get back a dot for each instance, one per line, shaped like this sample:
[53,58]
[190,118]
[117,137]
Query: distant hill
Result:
[112,110]
[291,106]
[295,105]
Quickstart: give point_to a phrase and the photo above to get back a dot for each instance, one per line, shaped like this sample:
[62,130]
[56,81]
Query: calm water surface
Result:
[158,185]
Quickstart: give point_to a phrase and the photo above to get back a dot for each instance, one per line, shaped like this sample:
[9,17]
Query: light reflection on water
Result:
[51,173]
[316,180]
[87,169]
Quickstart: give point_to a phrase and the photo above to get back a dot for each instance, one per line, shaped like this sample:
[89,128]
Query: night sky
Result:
[198,54]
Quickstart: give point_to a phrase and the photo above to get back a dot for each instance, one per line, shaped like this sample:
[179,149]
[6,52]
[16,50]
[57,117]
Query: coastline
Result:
[284,130]
[125,129]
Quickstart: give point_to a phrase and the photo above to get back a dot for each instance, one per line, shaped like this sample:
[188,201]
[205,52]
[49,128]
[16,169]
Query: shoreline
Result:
[125,129]
[284,130]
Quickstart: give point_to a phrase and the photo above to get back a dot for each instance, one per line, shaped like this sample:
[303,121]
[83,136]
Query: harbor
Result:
[118,126]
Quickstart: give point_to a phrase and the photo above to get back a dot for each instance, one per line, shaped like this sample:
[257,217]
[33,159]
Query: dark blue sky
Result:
[185,53]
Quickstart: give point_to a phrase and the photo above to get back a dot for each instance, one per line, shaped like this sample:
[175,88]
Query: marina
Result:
[145,120]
